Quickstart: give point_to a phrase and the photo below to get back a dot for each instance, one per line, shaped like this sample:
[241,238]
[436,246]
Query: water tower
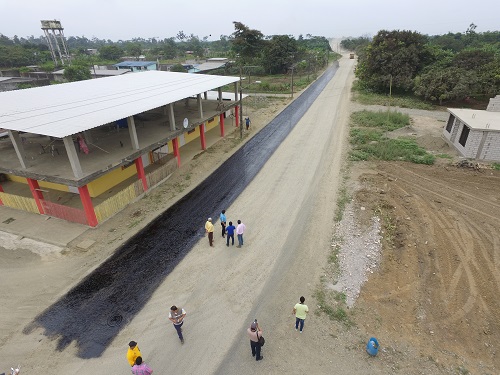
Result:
[55,38]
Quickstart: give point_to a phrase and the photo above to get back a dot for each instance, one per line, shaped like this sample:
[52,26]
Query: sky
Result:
[126,19]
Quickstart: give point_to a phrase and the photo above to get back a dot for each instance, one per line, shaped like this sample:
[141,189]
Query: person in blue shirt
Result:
[230,233]
[247,122]
[223,222]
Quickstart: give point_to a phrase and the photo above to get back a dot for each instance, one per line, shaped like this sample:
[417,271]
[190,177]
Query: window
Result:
[449,125]
[191,131]
[464,135]
[211,120]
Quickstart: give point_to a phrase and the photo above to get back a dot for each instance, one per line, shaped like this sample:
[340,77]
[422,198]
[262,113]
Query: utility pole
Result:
[292,80]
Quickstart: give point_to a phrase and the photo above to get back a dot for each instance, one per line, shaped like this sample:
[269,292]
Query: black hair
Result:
[302,299]
[239,221]
[138,360]
[173,308]
[223,211]
[230,223]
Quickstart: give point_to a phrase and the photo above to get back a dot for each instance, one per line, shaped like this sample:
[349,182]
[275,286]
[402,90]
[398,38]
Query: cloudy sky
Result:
[125,19]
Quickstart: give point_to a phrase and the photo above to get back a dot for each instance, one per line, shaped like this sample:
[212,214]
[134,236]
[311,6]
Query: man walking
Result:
[133,352]
[223,222]
[230,233]
[141,368]
[300,310]
[254,333]
[176,316]
[247,122]
[240,229]
[209,229]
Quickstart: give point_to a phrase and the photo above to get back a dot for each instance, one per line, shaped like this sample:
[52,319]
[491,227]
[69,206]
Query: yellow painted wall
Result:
[43,184]
[194,135]
[113,178]
[212,124]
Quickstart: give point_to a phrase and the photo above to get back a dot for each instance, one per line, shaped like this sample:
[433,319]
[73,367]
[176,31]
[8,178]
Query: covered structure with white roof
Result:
[475,134]
[90,136]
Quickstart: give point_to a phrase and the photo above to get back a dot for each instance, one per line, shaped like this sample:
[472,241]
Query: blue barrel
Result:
[372,346]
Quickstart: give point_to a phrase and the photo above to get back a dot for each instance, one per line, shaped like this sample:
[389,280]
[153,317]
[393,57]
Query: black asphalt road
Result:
[95,311]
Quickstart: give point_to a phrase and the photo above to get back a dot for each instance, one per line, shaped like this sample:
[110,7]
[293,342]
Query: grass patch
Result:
[371,144]
[342,201]
[333,306]
[387,120]
[444,156]
[496,166]
[369,97]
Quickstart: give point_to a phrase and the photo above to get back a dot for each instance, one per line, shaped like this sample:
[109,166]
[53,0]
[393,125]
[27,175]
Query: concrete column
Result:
[18,146]
[88,207]
[171,117]
[205,95]
[140,172]
[200,106]
[37,194]
[73,157]
[221,124]
[202,137]
[236,115]
[177,154]
[132,132]
[236,91]
[220,94]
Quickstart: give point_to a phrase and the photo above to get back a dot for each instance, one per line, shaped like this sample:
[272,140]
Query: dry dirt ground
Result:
[431,301]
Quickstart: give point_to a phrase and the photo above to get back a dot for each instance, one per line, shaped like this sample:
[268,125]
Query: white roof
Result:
[477,119]
[70,108]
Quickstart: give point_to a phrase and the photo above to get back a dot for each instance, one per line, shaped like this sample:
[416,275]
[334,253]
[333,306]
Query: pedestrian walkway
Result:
[39,227]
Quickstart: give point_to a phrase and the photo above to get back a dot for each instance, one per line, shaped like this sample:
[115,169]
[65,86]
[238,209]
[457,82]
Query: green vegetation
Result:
[370,142]
[444,156]
[333,305]
[384,211]
[442,68]
[368,96]
[496,166]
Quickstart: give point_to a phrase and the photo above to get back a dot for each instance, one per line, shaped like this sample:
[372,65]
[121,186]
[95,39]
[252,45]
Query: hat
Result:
[209,219]
[253,327]
[132,344]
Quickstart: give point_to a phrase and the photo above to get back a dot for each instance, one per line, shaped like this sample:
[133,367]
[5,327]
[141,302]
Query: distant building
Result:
[136,66]
[475,134]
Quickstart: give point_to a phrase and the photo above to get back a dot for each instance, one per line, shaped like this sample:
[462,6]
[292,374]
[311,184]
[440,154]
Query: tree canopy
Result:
[437,68]
[76,73]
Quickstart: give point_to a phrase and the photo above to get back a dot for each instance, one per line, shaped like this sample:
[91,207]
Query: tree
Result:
[396,56]
[279,54]
[76,73]
[111,52]
[246,42]
[178,68]
[134,49]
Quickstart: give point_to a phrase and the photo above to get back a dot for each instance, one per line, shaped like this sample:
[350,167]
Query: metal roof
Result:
[478,119]
[129,64]
[70,108]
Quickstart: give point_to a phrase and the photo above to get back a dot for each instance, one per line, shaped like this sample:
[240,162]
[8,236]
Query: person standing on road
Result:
[223,222]
[176,316]
[254,332]
[141,368]
[300,310]
[133,352]
[240,229]
[247,122]
[209,229]
[230,233]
